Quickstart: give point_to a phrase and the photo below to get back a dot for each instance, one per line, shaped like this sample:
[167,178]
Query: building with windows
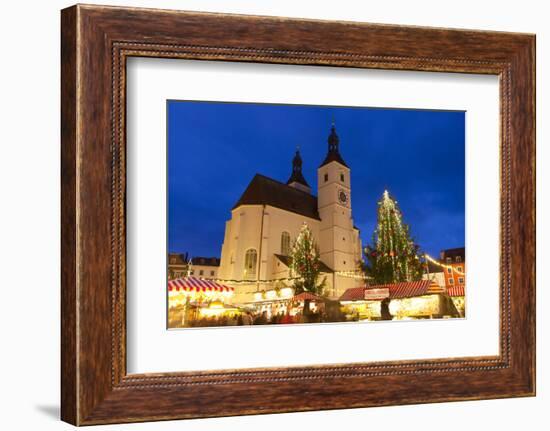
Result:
[455,271]
[205,267]
[179,265]
[454,260]
[268,216]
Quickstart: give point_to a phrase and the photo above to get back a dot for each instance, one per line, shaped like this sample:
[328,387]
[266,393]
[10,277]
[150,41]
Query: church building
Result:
[267,219]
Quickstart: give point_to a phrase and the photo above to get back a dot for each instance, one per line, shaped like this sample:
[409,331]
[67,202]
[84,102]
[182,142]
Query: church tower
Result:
[339,243]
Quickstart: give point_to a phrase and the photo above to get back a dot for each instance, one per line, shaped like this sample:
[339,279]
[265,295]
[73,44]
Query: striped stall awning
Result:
[193,284]
[455,291]
[406,289]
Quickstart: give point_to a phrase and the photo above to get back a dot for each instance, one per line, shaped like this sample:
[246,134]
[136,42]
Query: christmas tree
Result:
[393,255]
[306,263]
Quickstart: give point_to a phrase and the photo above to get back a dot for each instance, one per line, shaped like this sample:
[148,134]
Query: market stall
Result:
[405,300]
[457,294]
[191,299]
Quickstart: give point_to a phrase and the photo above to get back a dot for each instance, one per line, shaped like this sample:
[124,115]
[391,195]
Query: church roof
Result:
[267,191]
[333,156]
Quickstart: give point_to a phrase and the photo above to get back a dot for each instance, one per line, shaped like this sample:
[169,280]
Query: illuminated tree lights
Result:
[306,263]
[393,256]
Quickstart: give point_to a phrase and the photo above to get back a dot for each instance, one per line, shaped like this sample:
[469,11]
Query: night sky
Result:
[214,150]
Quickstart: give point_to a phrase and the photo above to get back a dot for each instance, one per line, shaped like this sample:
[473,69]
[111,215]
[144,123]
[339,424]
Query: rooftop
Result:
[263,190]
[205,261]
[406,289]
[453,253]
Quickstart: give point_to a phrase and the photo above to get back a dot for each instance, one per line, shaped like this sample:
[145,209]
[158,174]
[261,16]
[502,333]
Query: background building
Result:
[179,265]
[205,267]
[456,259]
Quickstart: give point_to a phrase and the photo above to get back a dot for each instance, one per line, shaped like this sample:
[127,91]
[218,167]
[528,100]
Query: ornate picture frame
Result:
[96,41]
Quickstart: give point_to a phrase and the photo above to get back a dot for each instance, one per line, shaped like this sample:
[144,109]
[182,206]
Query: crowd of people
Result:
[247,317]
[250,318]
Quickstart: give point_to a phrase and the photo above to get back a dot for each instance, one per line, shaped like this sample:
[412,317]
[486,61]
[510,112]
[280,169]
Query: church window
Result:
[250,261]
[201,272]
[326,178]
[342,177]
[285,243]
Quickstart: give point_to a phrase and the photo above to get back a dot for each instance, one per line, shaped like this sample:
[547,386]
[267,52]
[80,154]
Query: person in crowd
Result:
[261,319]
[287,319]
[247,318]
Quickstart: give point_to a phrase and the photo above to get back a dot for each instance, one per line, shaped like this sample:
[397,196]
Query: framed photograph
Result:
[327,214]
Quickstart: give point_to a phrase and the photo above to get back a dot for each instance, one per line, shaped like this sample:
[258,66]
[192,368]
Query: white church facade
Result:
[267,219]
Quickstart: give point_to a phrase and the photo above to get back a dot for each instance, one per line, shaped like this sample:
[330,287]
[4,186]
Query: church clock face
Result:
[343,197]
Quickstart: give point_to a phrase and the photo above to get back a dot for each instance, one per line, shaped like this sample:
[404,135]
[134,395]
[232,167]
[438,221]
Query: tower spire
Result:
[297,179]
[333,154]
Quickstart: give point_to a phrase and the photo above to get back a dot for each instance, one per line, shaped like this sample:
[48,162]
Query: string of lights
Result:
[358,275]
[442,265]
[274,280]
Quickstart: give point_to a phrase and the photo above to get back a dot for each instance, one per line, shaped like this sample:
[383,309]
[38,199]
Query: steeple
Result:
[297,179]
[333,154]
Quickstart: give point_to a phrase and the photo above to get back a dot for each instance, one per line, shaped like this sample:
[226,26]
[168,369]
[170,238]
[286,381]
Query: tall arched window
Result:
[250,261]
[285,243]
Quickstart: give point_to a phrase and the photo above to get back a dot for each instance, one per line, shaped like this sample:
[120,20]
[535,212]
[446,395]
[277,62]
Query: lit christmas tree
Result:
[393,256]
[306,263]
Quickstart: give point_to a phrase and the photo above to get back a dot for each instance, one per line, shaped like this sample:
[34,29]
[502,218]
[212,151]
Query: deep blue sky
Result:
[214,150]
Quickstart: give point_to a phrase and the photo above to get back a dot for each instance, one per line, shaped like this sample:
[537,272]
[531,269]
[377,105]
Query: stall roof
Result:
[307,295]
[404,289]
[456,291]
[193,284]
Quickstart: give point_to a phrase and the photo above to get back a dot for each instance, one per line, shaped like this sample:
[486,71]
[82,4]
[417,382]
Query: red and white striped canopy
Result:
[193,284]
[406,289]
[455,291]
